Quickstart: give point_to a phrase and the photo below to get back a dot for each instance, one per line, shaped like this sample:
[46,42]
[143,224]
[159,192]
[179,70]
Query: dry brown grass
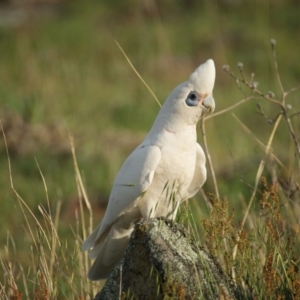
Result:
[267,260]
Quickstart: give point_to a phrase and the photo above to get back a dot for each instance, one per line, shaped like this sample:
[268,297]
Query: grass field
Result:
[61,72]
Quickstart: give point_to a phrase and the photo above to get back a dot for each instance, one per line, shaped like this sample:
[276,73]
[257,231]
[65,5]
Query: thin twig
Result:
[292,132]
[45,187]
[259,142]
[292,90]
[284,94]
[138,75]
[22,203]
[229,108]
[86,200]
[257,179]
[209,158]
[273,43]
[251,87]
[295,114]
[208,203]
[85,197]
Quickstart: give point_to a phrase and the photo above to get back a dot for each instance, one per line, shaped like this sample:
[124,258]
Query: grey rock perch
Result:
[162,262]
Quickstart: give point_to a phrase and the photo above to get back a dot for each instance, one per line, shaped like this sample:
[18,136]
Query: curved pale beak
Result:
[208,105]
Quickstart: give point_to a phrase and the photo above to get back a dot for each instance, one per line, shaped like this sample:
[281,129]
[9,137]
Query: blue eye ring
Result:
[192,99]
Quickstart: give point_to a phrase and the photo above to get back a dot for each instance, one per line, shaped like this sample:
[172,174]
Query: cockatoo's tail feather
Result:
[167,168]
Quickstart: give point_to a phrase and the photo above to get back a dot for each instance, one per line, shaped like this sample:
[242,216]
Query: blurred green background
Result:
[61,71]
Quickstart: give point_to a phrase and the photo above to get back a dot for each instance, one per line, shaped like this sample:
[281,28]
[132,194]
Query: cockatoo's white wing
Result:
[110,238]
[132,181]
[199,173]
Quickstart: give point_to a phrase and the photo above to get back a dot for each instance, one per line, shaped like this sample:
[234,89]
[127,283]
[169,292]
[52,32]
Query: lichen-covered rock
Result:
[162,262]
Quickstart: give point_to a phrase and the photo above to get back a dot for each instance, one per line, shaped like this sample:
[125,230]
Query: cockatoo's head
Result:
[192,99]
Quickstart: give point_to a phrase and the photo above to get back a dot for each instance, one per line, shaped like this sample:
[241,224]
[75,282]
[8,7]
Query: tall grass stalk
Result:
[58,267]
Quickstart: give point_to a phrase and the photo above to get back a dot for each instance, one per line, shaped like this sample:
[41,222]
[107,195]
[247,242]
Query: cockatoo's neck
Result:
[166,128]
[173,122]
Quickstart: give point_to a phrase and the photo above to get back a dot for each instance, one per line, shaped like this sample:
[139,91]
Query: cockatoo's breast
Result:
[173,174]
[179,157]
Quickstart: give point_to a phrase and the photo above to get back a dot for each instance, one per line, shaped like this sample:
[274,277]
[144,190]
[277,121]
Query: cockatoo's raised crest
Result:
[204,77]
[167,168]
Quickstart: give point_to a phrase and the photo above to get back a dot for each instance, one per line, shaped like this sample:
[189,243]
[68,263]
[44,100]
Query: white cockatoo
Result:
[167,168]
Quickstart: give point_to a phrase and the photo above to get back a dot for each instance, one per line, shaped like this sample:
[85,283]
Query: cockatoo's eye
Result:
[192,99]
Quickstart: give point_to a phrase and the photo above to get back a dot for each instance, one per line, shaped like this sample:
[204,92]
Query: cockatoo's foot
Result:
[168,221]
[172,224]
